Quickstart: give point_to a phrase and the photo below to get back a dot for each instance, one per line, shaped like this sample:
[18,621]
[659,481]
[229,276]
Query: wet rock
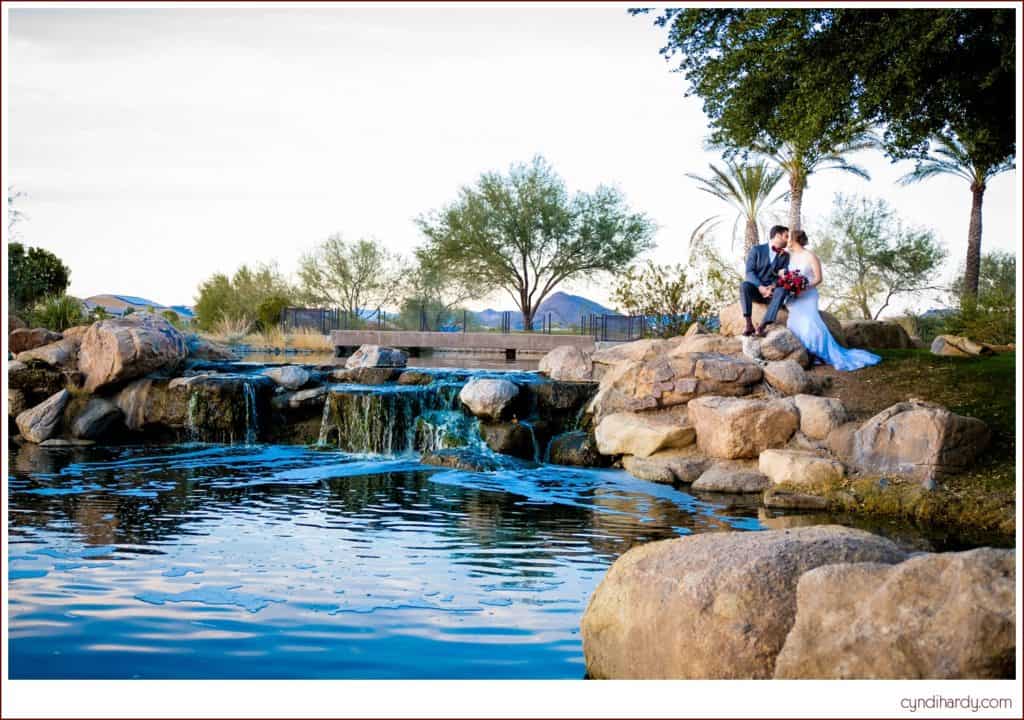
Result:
[17,402]
[42,422]
[115,351]
[788,500]
[302,399]
[819,416]
[956,346]
[731,479]
[35,379]
[60,354]
[290,377]
[377,356]
[876,334]
[96,420]
[21,340]
[558,401]
[731,320]
[713,605]
[472,460]
[800,468]
[787,377]
[567,363]
[489,398]
[919,440]
[577,448]
[225,408]
[366,375]
[415,377]
[933,616]
[65,442]
[667,466]
[633,434]
[510,438]
[150,402]
[200,348]
[730,428]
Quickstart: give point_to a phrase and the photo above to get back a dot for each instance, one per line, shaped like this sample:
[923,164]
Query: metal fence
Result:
[325,320]
[621,328]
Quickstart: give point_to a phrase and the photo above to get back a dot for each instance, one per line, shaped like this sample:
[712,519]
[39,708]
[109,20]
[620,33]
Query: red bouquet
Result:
[793,281]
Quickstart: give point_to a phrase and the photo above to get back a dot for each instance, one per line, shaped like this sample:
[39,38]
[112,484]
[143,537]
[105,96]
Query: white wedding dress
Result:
[806,323]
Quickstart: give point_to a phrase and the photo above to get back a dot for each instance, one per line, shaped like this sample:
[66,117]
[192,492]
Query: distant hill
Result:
[565,311]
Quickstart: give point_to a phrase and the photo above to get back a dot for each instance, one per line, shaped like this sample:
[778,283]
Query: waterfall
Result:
[325,426]
[191,426]
[533,437]
[251,413]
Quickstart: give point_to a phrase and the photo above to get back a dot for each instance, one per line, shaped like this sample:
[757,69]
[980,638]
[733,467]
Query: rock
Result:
[779,344]
[63,442]
[367,375]
[21,340]
[41,422]
[945,616]
[510,438]
[472,460]
[788,500]
[721,344]
[920,440]
[60,354]
[633,434]
[98,417]
[730,428]
[76,332]
[578,448]
[876,334]
[200,348]
[35,379]
[819,416]
[667,466]
[696,329]
[119,350]
[377,356]
[14,323]
[559,399]
[731,320]
[731,479]
[800,468]
[638,350]
[415,377]
[568,363]
[303,399]
[840,441]
[712,605]
[834,326]
[634,386]
[787,377]
[17,402]
[290,377]
[956,346]
[150,402]
[489,398]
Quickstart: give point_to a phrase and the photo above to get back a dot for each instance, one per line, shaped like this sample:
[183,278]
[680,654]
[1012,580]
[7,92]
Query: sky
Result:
[155,147]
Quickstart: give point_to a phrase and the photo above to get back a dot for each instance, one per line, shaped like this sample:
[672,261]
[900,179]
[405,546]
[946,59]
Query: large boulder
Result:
[779,344]
[731,320]
[510,438]
[577,447]
[78,331]
[18,341]
[876,334]
[96,420]
[35,379]
[377,356]
[42,422]
[787,377]
[149,402]
[957,346]
[668,381]
[667,466]
[489,398]
[569,363]
[290,377]
[726,478]
[17,402]
[920,440]
[633,434]
[946,616]
[366,375]
[60,354]
[119,350]
[800,468]
[731,428]
[722,344]
[638,350]
[834,326]
[819,416]
[713,605]
[200,348]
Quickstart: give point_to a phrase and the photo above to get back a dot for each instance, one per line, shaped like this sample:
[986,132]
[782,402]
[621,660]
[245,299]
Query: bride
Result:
[805,320]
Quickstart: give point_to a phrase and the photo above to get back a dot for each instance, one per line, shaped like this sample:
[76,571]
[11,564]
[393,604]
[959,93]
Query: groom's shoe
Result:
[749,330]
[762,329]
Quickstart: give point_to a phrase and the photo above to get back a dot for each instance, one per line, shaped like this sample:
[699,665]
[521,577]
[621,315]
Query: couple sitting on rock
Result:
[765,265]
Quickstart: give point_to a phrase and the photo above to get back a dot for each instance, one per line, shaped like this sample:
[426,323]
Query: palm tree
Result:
[799,162]
[744,186]
[952,157]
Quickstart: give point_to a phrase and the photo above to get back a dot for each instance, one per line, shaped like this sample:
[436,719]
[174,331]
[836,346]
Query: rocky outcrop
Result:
[634,434]
[302,399]
[148,402]
[819,416]
[578,448]
[935,616]
[290,377]
[713,605]
[730,428]
[42,422]
[60,354]
[920,440]
[489,398]
[98,418]
[731,320]
[638,350]
[200,348]
[567,363]
[116,351]
[787,377]
[510,438]
[956,346]
[727,478]
[721,344]
[667,466]
[876,334]
[800,468]
[779,344]
[36,380]
[21,340]
[377,356]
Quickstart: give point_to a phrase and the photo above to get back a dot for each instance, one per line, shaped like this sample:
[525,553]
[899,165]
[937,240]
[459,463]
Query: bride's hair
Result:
[800,237]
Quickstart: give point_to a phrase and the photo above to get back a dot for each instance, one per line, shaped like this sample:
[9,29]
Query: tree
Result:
[524,234]
[14,213]
[744,186]
[239,297]
[991,316]
[433,288]
[950,156]
[871,257]
[670,300]
[804,75]
[354,276]
[33,274]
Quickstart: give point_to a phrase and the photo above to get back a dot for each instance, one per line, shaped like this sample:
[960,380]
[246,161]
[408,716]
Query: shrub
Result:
[33,274]
[268,312]
[992,317]
[171,317]
[58,313]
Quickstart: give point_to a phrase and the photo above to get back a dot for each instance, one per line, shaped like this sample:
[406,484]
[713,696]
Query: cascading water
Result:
[533,437]
[251,413]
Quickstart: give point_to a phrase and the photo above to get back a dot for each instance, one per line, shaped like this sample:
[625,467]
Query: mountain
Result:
[565,311]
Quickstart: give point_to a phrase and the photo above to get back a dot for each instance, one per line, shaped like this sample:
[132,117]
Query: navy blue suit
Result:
[762,270]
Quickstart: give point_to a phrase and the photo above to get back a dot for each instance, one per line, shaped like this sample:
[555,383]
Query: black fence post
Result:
[465,320]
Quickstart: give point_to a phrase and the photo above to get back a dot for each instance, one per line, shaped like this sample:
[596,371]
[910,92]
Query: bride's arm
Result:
[816,270]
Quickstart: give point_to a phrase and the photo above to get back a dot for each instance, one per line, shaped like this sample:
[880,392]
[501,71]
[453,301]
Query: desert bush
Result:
[230,330]
[58,313]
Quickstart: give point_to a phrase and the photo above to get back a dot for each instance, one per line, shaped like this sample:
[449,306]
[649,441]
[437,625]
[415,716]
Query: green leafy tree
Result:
[58,313]
[870,257]
[950,156]
[268,312]
[33,273]
[433,289]
[747,188]
[523,233]
[354,276]
[670,298]
[991,316]
[238,297]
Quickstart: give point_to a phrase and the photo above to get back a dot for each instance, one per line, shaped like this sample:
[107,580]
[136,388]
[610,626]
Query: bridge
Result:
[511,343]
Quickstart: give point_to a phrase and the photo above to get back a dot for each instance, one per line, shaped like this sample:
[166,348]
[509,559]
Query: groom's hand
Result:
[766,292]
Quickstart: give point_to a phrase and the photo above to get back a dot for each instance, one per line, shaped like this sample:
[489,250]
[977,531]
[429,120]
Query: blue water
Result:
[201,561]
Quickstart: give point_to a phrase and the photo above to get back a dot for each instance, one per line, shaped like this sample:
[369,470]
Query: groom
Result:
[763,265]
